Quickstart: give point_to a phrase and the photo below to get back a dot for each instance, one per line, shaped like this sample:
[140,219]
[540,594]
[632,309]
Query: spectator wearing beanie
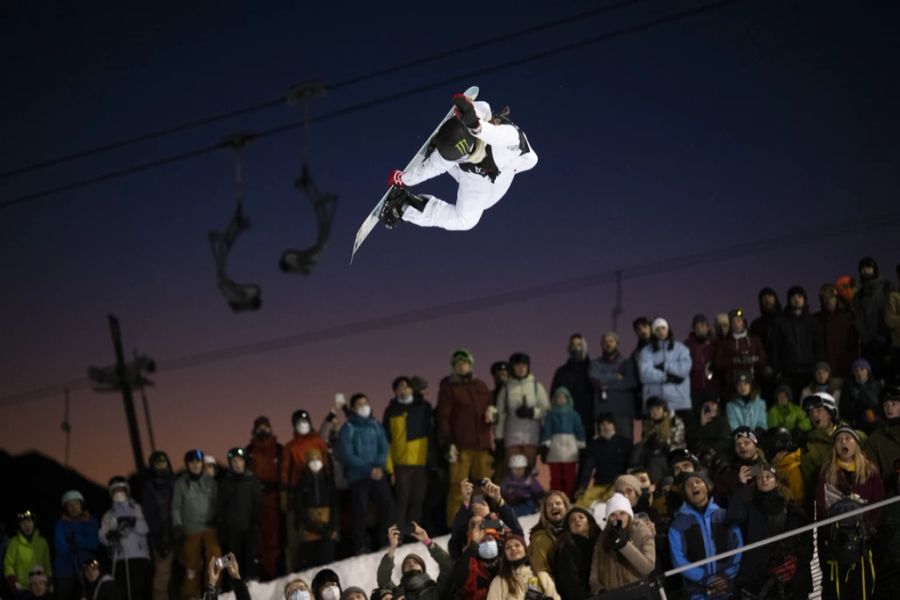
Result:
[763,507]
[710,435]
[892,321]
[562,437]
[860,405]
[769,311]
[293,465]
[123,530]
[477,505]
[883,446]
[479,563]
[702,345]
[700,529]
[822,381]
[614,379]
[662,431]
[265,462]
[38,585]
[838,331]
[570,559]
[625,551]
[740,352]
[516,577]
[415,583]
[665,366]
[239,511]
[26,549]
[797,343]
[521,406]
[746,453]
[573,375]
[785,457]
[353,593]
[464,427]
[746,408]
[75,539]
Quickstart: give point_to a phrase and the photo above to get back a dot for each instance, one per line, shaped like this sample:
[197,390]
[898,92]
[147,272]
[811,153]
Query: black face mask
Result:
[263,434]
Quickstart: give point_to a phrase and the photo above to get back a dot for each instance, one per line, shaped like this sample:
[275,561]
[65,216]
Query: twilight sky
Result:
[752,121]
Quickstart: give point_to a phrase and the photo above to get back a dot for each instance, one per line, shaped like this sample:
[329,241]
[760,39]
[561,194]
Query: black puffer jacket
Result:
[797,342]
[156,500]
[240,499]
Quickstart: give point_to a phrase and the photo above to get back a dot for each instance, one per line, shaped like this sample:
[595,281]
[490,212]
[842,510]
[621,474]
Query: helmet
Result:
[300,415]
[824,400]
[118,482]
[192,455]
[72,495]
[779,440]
[453,140]
[238,451]
[518,461]
[461,354]
[678,455]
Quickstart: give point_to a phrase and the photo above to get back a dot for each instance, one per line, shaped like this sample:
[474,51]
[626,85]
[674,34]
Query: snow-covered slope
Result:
[360,570]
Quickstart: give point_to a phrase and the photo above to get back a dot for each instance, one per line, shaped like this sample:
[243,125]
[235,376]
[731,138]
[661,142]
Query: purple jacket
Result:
[516,491]
[702,353]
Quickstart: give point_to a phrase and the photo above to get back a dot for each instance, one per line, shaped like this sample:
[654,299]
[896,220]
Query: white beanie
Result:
[618,502]
[518,461]
[660,322]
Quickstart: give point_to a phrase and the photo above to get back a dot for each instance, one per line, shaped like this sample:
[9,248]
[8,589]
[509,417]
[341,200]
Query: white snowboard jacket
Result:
[509,147]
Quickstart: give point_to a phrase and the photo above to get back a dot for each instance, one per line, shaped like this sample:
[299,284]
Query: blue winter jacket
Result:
[562,431]
[750,414]
[694,536]
[362,446]
[74,541]
[674,359]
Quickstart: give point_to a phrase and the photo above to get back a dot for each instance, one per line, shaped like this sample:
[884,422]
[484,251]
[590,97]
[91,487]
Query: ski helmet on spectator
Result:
[823,399]
[193,455]
[461,354]
[72,495]
[453,140]
[238,451]
[779,440]
[518,461]
[116,483]
[300,415]
[678,455]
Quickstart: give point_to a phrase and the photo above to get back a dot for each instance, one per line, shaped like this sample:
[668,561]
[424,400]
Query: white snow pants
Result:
[475,195]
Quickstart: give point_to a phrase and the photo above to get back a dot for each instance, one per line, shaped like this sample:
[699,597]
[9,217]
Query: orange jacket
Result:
[293,459]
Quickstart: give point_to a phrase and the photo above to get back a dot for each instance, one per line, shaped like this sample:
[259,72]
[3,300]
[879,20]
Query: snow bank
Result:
[360,570]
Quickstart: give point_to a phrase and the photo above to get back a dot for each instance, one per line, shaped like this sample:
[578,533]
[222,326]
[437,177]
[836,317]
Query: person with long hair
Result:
[763,507]
[847,477]
[570,562]
[626,549]
[662,431]
[515,579]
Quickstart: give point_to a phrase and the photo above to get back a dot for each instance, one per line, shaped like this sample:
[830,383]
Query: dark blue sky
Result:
[755,120]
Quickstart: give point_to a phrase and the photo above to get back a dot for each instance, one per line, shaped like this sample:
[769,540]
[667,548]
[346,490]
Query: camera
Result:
[223,562]
[478,482]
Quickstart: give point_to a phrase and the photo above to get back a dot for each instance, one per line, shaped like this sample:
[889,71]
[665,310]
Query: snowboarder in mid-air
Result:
[481,151]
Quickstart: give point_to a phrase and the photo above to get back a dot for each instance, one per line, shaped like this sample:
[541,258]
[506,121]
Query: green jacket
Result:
[194,504]
[22,554]
[789,416]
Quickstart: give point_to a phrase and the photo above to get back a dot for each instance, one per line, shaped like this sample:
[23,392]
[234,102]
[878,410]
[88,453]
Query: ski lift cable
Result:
[275,102]
[790,239]
[365,105]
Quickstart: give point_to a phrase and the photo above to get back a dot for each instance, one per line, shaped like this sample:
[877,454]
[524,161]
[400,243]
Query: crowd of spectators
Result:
[658,459]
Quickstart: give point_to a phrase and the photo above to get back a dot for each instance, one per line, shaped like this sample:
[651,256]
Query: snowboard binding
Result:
[398,200]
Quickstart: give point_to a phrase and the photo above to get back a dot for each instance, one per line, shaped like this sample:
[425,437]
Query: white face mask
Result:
[299,595]
[364,411]
[488,549]
[119,497]
[332,592]
[315,465]
[303,428]
[407,400]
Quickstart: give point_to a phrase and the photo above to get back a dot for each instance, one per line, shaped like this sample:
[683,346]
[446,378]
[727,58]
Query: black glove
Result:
[525,412]
[673,378]
[659,366]
[466,111]
[126,522]
[619,537]
[544,451]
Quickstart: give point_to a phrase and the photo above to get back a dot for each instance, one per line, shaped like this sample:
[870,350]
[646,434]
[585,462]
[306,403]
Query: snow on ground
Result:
[360,571]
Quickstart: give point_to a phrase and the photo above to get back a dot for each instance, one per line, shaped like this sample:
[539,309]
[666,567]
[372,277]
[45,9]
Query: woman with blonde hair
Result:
[515,579]
[849,480]
[297,589]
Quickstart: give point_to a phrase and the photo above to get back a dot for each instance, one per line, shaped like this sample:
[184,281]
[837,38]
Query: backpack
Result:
[849,539]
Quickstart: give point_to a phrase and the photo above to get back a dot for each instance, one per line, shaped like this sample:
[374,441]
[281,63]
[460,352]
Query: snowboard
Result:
[372,220]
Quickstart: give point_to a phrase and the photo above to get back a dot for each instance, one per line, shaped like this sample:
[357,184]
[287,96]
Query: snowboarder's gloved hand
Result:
[396,178]
[673,378]
[466,111]
[525,412]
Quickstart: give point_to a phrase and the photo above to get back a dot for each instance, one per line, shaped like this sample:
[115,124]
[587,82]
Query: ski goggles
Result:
[25,516]
[744,432]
